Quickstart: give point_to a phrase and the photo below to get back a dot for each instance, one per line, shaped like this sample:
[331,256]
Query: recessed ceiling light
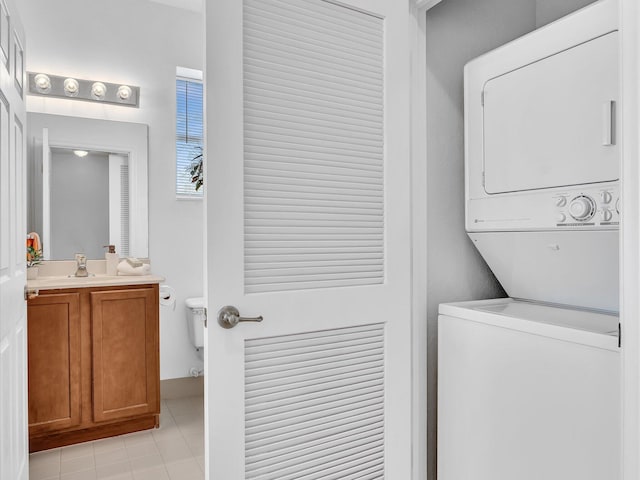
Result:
[71,87]
[81,153]
[43,83]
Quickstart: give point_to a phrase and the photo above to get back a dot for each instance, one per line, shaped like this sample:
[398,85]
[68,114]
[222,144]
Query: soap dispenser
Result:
[112,260]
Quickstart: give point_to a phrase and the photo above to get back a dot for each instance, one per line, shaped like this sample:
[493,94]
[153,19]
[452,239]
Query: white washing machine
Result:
[528,392]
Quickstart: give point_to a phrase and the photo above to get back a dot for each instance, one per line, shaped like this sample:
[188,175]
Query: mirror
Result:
[87,186]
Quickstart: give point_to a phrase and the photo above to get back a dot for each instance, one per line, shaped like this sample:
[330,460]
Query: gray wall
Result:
[78,186]
[548,11]
[456,32]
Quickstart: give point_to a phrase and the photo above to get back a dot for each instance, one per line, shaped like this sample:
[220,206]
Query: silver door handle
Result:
[229,317]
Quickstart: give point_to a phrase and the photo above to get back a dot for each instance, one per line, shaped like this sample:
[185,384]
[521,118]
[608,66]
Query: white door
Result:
[14,460]
[307,208]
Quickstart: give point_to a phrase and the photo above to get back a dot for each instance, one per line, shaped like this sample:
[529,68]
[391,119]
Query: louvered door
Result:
[307,195]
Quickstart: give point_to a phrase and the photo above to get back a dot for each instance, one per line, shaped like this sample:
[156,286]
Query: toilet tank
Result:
[195,320]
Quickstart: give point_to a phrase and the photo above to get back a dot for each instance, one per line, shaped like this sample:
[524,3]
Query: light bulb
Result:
[71,87]
[124,92]
[81,153]
[98,90]
[43,83]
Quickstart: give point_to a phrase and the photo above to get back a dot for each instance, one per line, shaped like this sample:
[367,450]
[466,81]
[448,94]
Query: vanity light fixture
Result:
[71,87]
[98,90]
[124,92]
[81,153]
[42,83]
[46,85]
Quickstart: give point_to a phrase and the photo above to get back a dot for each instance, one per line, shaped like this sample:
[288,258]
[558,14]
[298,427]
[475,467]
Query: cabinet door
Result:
[54,362]
[125,353]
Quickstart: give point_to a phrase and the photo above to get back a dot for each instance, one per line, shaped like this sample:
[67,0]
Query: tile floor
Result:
[175,451]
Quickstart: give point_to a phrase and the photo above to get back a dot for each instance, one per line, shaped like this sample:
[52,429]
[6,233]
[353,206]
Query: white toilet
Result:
[195,321]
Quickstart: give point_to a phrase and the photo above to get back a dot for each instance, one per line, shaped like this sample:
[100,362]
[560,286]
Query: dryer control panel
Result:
[595,207]
[598,207]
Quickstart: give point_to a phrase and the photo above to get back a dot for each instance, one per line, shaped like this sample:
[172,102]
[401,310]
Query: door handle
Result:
[229,317]
[608,112]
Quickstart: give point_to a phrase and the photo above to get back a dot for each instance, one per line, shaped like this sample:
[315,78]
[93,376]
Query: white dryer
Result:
[528,392]
[543,160]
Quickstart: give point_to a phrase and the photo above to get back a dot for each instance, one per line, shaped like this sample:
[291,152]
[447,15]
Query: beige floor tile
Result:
[167,434]
[84,475]
[108,444]
[44,472]
[76,451]
[78,464]
[174,449]
[112,456]
[142,450]
[153,473]
[195,444]
[185,470]
[145,463]
[114,471]
[46,457]
[120,476]
[181,406]
[137,438]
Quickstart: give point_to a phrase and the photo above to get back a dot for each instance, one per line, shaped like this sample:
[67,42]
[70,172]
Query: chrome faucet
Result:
[81,260]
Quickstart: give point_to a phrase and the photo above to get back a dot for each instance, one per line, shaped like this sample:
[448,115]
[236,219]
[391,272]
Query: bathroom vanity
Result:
[93,352]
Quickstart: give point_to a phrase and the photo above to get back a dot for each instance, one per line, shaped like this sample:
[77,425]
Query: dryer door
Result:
[552,123]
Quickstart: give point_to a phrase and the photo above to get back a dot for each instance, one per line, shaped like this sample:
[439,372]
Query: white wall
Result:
[548,11]
[136,42]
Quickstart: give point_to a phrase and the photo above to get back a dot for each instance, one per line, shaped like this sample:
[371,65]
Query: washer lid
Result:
[586,327]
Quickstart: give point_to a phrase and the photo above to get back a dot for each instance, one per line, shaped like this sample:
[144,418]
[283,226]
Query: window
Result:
[189,134]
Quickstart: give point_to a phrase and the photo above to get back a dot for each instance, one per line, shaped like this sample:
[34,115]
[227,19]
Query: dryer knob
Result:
[561,217]
[606,196]
[607,215]
[582,208]
[618,206]
[561,201]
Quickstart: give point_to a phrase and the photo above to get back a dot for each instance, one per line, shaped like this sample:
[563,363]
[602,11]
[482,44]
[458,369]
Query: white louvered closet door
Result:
[308,225]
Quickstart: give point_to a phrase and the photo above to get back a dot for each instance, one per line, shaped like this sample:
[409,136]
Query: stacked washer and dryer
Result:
[529,387]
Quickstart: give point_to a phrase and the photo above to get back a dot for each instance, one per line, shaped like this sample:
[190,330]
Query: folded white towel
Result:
[125,269]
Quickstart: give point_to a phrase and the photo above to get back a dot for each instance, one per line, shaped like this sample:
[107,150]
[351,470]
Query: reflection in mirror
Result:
[87,186]
[82,182]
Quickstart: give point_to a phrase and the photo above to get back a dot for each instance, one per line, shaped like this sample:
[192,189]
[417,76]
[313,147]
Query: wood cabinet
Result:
[94,365]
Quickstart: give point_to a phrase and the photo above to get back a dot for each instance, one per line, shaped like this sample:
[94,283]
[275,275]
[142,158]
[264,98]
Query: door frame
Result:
[630,239]
[419,346]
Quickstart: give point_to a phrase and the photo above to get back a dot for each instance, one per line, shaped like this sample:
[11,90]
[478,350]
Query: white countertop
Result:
[99,280]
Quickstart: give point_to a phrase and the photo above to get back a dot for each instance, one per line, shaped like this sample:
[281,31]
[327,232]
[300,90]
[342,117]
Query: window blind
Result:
[189,134]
